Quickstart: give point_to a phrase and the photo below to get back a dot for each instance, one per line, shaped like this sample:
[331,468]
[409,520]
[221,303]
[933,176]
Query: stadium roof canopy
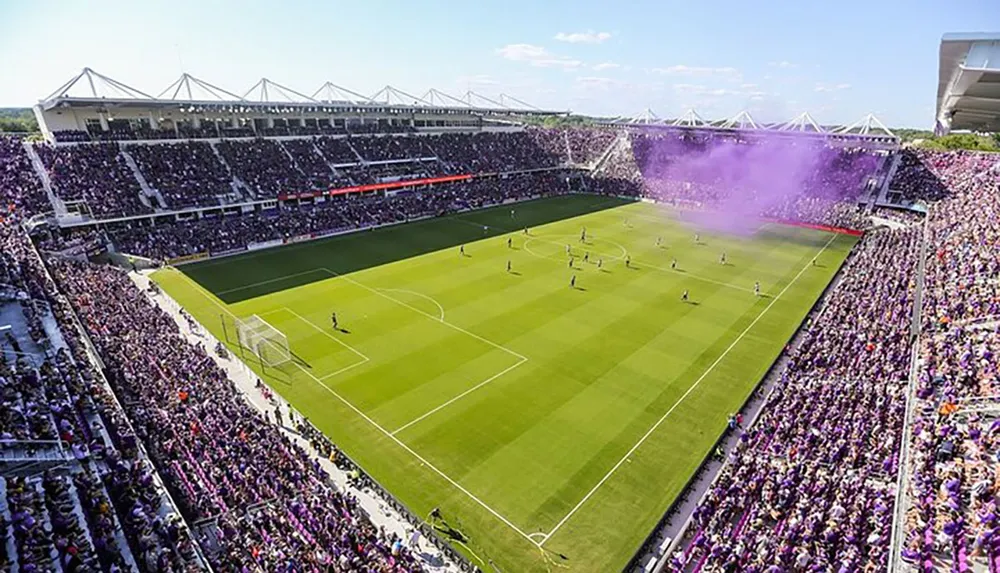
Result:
[968,94]
[92,89]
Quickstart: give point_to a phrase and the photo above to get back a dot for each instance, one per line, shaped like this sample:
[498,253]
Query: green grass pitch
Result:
[541,419]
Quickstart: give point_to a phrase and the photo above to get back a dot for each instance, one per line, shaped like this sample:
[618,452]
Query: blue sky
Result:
[836,59]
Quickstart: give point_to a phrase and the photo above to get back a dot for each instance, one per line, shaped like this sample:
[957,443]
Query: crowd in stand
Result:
[953,481]
[218,234]
[263,166]
[103,511]
[810,486]
[96,173]
[20,190]
[914,179]
[187,174]
[273,507]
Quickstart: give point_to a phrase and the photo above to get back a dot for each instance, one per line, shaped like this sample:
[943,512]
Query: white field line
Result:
[417,294]
[457,486]
[381,292]
[642,264]
[267,282]
[460,396]
[327,334]
[418,311]
[682,398]
[363,360]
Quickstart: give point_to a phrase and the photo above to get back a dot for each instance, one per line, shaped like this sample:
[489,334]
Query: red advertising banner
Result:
[377,187]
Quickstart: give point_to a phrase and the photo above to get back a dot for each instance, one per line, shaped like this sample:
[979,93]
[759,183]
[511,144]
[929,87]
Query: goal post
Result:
[266,342]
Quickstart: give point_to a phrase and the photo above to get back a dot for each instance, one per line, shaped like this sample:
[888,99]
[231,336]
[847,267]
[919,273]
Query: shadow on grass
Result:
[253,274]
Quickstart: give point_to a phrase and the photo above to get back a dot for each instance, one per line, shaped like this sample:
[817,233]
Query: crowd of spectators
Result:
[20,189]
[272,507]
[103,510]
[914,179]
[264,167]
[693,171]
[96,173]
[953,482]
[810,486]
[187,174]
[224,234]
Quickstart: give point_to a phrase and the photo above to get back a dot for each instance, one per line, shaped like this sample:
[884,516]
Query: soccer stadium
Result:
[398,333]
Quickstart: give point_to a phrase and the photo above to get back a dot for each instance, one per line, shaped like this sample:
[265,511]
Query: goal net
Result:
[265,341]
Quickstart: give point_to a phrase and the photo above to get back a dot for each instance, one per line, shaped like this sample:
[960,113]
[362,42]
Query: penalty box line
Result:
[683,397]
[375,424]
[422,460]
[521,359]
[358,353]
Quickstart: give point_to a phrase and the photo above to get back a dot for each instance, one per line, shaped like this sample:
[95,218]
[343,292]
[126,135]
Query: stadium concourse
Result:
[127,448]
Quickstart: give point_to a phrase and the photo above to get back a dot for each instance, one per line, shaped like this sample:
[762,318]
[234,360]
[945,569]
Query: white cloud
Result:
[588,37]
[536,56]
[747,86]
[821,87]
[606,66]
[682,70]
[783,64]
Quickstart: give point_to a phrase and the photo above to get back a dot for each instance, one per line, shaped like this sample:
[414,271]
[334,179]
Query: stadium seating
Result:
[96,173]
[187,174]
[810,485]
[215,234]
[218,454]
[20,190]
[951,519]
[104,511]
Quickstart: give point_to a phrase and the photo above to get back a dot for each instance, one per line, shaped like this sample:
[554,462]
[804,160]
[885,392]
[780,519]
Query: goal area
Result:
[266,342]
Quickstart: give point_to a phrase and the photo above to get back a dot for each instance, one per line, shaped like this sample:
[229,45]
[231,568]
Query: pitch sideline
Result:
[376,425]
[696,383]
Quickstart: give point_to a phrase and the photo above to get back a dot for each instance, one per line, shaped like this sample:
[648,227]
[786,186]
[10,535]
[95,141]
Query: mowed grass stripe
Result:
[579,403]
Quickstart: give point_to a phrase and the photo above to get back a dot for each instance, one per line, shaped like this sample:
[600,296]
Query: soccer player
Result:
[673,264]
[756,288]
[722,259]
[567,249]
[697,238]
[572,282]
[628,261]
[684,296]
[814,262]
[333,319]
[571,262]
[583,235]
[659,241]
[508,265]
[525,230]
[586,256]
[509,243]
[600,263]
[461,250]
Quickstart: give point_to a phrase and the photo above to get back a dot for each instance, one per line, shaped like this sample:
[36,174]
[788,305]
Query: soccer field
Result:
[541,419]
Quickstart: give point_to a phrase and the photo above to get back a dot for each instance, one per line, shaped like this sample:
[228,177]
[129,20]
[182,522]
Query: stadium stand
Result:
[97,174]
[186,174]
[810,484]
[20,190]
[950,519]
